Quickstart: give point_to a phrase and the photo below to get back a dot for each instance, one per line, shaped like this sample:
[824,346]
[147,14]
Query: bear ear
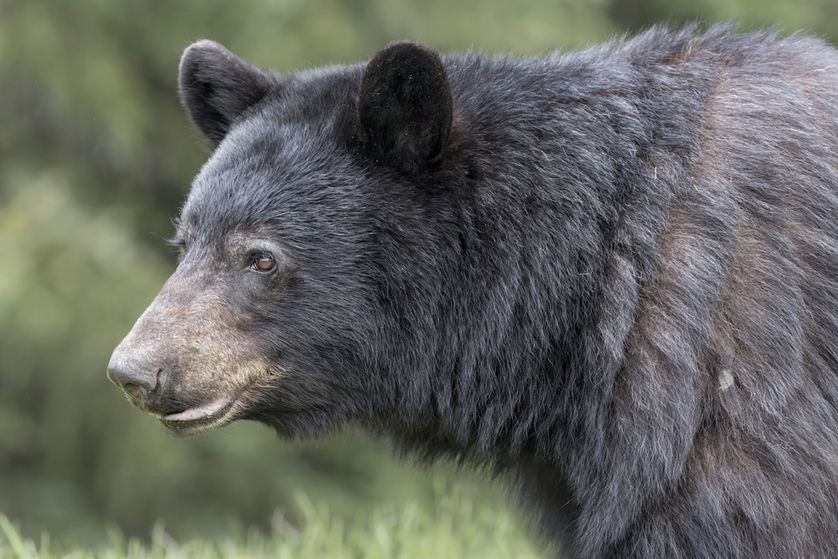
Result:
[216,87]
[405,107]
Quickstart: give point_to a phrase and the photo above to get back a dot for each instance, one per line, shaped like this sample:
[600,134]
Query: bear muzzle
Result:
[145,387]
[185,362]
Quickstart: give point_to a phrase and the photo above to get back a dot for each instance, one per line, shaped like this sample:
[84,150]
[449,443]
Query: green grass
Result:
[453,527]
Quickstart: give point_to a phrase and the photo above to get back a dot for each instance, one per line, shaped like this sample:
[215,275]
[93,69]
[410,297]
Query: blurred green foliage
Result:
[452,526]
[95,158]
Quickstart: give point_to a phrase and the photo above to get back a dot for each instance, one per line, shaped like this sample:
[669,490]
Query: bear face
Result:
[277,296]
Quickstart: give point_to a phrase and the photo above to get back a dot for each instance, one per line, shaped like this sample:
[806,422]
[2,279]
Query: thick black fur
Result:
[612,274]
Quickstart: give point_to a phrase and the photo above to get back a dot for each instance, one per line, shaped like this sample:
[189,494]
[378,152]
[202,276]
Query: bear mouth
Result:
[201,418]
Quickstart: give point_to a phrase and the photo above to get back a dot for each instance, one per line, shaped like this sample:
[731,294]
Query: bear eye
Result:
[263,264]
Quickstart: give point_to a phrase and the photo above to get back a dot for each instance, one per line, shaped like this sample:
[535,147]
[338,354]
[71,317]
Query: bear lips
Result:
[201,418]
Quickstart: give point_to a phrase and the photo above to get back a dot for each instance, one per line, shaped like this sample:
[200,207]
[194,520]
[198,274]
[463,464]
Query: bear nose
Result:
[137,378]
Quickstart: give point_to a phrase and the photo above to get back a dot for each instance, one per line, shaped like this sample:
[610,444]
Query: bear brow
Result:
[182,232]
[177,240]
[244,238]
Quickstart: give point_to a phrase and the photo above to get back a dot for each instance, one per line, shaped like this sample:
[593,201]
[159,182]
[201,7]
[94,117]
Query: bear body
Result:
[611,274]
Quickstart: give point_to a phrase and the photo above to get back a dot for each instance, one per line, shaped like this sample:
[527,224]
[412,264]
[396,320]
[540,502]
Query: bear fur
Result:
[611,275]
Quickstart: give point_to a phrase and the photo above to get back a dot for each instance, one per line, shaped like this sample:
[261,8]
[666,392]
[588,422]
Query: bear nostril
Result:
[136,378]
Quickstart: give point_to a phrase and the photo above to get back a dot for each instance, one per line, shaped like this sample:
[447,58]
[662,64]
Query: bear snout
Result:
[142,381]
[137,378]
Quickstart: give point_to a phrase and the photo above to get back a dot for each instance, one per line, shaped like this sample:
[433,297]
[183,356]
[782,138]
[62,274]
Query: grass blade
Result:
[14,539]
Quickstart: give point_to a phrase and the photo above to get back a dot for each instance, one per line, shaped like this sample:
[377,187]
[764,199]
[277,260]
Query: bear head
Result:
[310,244]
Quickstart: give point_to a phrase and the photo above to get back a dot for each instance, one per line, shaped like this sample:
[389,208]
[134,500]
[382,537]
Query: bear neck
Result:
[513,333]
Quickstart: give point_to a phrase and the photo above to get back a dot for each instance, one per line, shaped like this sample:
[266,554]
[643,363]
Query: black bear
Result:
[611,274]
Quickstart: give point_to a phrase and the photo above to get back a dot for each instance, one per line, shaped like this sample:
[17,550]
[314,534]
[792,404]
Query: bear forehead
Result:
[272,170]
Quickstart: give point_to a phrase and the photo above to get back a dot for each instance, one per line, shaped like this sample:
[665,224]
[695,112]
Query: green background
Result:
[95,157]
